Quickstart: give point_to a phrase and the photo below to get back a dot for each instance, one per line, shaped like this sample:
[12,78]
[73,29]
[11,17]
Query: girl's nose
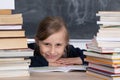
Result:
[52,51]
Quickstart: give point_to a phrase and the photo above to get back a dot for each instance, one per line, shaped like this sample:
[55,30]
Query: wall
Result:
[78,14]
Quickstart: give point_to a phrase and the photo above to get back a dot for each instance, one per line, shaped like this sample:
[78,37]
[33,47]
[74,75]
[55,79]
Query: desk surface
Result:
[55,76]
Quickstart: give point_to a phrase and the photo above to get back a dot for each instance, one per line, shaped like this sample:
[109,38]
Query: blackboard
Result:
[80,15]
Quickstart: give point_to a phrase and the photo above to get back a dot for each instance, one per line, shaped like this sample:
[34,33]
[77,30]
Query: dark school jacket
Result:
[39,61]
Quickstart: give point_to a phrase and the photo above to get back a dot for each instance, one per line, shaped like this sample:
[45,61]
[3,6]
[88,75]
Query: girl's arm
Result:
[74,56]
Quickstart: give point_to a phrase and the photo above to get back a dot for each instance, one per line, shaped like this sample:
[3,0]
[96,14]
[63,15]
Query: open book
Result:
[59,69]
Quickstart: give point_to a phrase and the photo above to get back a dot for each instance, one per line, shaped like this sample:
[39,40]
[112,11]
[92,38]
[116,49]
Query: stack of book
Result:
[14,52]
[103,52]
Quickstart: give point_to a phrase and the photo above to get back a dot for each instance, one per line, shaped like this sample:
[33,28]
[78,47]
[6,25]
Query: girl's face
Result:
[53,47]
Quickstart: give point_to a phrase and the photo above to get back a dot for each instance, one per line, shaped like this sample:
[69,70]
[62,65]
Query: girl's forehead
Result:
[59,36]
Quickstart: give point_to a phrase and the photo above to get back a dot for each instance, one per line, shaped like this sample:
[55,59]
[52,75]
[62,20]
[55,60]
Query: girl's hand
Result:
[55,64]
[69,61]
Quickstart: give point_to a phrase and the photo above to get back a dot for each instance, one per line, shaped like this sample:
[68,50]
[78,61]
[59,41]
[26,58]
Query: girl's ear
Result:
[36,41]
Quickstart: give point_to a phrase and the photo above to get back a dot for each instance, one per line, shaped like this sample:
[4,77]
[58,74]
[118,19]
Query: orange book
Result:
[13,42]
[12,33]
[103,61]
[105,69]
[5,12]
[102,77]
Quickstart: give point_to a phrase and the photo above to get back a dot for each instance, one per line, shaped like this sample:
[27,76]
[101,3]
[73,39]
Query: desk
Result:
[55,76]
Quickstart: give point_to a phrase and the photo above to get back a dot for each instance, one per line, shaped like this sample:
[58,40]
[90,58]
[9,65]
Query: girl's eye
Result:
[58,44]
[46,44]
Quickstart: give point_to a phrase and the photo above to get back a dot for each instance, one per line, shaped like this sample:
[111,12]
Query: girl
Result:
[52,45]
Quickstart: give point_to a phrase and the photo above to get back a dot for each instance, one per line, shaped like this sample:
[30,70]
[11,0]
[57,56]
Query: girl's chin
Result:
[51,60]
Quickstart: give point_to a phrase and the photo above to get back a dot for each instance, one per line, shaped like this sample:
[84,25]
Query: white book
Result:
[14,66]
[14,73]
[107,39]
[7,4]
[10,27]
[59,69]
[108,14]
[102,55]
[16,53]
[111,19]
[108,23]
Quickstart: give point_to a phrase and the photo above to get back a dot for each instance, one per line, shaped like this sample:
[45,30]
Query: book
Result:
[59,69]
[112,56]
[13,42]
[5,12]
[10,27]
[103,72]
[108,23]
[16,53]
[105,69]
[106,61]
[102,61]
[15,66]
[11,59]
[108,35]
[14,73]
[108,13]
[103,50]
[12,33]
[14,60]
[108,43]
[101,42]
[109,31]
[101,76]
[95,48]
[7,4]
[109,19]
[11,19]
[107,39]
[18,15]
[109,27]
